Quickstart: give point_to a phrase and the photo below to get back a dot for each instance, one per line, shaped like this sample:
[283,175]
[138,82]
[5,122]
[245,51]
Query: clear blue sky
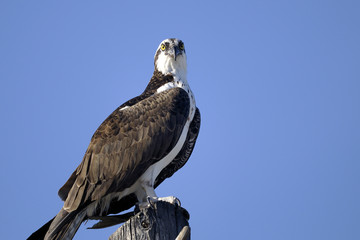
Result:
[277,83]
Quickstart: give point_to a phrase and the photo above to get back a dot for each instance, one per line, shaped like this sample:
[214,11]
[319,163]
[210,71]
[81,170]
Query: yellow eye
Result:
[181,46]
[162,47]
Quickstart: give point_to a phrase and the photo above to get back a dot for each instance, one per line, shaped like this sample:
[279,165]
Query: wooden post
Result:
[160,221]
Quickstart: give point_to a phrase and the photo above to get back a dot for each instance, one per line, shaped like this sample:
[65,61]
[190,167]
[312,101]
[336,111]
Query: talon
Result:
[177,202]
[171,199]
[143,205]
[151,201]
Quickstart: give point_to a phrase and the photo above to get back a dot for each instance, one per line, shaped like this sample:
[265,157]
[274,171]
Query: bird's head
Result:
[170,57]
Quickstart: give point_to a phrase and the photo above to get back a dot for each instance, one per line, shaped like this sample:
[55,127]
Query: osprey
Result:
[143,142]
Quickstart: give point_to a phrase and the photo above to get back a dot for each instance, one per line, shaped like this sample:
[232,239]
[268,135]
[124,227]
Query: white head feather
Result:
[170,58]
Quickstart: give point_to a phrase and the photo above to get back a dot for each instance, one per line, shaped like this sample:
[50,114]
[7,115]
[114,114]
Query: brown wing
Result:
[179,161]
[185,152]
[125,145]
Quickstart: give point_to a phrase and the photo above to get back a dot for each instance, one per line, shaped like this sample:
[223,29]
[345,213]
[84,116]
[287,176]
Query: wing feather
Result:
[125,145]
[184,153]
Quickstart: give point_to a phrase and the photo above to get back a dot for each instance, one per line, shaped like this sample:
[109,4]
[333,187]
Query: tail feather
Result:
[65,225]
[62,227]
[41,232]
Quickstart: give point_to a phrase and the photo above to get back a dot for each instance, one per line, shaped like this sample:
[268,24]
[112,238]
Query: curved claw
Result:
[151,201]
[171,199]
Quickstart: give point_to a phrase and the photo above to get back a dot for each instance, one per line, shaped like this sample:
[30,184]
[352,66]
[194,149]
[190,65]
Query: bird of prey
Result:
[143,142]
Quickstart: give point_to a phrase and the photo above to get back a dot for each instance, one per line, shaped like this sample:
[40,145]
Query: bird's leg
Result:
[147,196]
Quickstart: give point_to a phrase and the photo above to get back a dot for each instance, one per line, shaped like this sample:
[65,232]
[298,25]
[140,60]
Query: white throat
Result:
[167,65]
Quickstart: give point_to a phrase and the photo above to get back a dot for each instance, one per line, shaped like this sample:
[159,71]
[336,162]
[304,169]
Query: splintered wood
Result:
[160,221]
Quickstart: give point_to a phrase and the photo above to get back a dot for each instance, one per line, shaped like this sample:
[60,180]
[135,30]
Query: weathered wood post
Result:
[160,221]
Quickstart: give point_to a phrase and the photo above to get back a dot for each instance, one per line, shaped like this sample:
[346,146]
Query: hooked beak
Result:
[177,52]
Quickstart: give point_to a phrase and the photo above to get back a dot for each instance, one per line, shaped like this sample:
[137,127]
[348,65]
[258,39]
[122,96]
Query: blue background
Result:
[277,83]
